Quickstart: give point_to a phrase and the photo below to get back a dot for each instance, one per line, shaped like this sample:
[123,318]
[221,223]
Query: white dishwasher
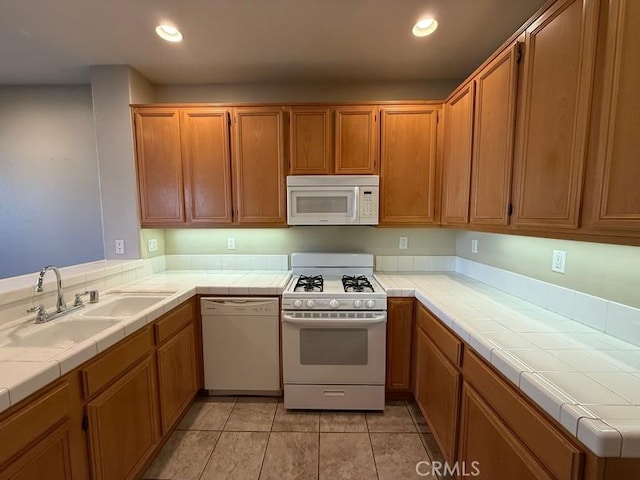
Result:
[241,345]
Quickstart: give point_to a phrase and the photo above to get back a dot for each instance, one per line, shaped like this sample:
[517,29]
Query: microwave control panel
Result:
[368,203]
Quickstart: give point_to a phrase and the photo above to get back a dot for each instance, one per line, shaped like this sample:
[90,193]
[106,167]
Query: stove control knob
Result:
[297,303]
[334,304]
[357,303]
[310,303]
[371,304]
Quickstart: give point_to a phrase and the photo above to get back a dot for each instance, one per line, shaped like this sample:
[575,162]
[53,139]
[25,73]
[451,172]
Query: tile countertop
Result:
[587,380]
[24,370]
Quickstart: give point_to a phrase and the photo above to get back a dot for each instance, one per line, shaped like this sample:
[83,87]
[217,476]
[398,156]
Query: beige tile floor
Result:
[256,438]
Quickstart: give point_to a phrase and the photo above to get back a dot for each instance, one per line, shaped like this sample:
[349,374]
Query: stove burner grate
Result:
[307,283]
[360,283]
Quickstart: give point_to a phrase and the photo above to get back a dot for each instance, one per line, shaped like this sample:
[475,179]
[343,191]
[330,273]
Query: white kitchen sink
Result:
[124,306]
[57,333]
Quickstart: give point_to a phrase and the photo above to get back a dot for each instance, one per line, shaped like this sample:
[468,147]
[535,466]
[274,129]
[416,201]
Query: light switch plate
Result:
[558,261]
[474,246]
[403,243]
[153,244]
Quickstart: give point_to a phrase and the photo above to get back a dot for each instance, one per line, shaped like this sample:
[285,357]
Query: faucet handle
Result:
[94,296]
[42,314]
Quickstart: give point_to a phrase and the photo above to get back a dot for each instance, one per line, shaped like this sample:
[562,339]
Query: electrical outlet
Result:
[119,247]
[558,261]
[403,243]
[231,243]
[474,246]
[153,244]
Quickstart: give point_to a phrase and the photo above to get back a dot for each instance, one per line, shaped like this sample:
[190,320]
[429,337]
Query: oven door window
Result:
[333,346]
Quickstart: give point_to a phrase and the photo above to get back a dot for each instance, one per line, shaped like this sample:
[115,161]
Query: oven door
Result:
[335,205]
[334,348]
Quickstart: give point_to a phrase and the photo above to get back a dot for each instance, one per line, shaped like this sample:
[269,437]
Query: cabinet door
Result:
[407,180]
[458,136]
[356,140]
[556,96]
[615,196]
[489,448]
[399,335]
[159,164]
[207,165]
[259,166]
[123,424]
[494,128]
[311,141]
[438,394]
[176,376]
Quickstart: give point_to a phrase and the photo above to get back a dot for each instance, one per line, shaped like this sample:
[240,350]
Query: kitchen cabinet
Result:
[457,150]
[356,140]
[159,165]
[44,434]
[493,136]
[399,345]
[438,380]
[408,165]
[258,165]
[555,98]
[311,141]
[612,198]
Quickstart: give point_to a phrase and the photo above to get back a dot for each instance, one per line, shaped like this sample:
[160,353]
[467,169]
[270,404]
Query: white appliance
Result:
[334,318]
[240,344]
[332,199]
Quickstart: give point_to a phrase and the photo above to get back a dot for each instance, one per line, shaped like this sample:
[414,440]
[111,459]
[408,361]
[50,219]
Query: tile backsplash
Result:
[408,263]
[227,262]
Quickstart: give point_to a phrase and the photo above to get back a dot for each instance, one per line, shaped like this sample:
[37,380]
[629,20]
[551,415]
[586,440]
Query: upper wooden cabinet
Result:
[259,166]
[159,161]
[356,140]
[457,149]
[612,198]
[408,165]
[494,126]
[311,141]
[328,140]
[553,121]
[207,165]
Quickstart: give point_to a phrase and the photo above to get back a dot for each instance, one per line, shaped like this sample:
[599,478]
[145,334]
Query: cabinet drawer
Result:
[28,424]
[446,341]
[116,361]
[555,451]
[173,321]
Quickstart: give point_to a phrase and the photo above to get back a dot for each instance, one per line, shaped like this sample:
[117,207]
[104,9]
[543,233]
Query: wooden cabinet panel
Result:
[173,321]
[159,165]
[123,424]
[614,196]
[176,376]
[556,95]
[259,166]
[497,453]
[49,458]
[356,140]
[311,141]
[457,150]
[207,165]
[399,348]
[450,346]
[494,127]
[438,394]
[408,165]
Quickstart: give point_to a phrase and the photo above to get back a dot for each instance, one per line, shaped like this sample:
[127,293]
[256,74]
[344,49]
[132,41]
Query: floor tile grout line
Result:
[204,468]
[264,454]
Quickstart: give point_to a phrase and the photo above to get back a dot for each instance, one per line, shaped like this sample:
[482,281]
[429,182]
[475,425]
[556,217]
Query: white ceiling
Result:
[55,41]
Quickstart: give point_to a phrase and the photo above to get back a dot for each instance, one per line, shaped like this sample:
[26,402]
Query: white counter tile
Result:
[549,397]
[625,385]
[5,401]
[586,360]
[509,365]
[77,355]
[22,379]
[600,438]
[571,414]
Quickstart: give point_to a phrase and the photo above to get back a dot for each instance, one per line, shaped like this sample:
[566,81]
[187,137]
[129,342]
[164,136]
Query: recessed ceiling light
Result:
[169,33]
[424,27]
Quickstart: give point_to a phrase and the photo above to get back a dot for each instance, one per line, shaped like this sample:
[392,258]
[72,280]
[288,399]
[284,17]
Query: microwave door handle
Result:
[356,205]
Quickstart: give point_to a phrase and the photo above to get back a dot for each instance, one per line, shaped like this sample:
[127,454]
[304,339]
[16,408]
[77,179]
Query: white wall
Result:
[49,191]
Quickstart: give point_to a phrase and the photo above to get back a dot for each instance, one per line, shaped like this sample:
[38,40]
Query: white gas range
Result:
[334,318]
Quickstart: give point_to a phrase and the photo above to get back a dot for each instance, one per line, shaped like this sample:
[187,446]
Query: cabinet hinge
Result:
[85,423]
[519,48]
[510,210]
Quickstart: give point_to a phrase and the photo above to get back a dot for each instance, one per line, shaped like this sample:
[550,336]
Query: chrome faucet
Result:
[61,305]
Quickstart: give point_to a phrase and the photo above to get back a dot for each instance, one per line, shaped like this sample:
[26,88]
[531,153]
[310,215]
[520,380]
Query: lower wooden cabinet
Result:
[123,424]
[177,376]
[487,446]
[399,345]
[438,393]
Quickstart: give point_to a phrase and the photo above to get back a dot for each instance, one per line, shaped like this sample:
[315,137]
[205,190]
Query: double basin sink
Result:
[83,323]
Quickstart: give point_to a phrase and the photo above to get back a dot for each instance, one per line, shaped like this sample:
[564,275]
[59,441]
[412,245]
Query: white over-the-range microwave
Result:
[332,199]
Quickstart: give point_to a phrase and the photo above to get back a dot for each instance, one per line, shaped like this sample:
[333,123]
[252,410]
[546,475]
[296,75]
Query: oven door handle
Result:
[334,322]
